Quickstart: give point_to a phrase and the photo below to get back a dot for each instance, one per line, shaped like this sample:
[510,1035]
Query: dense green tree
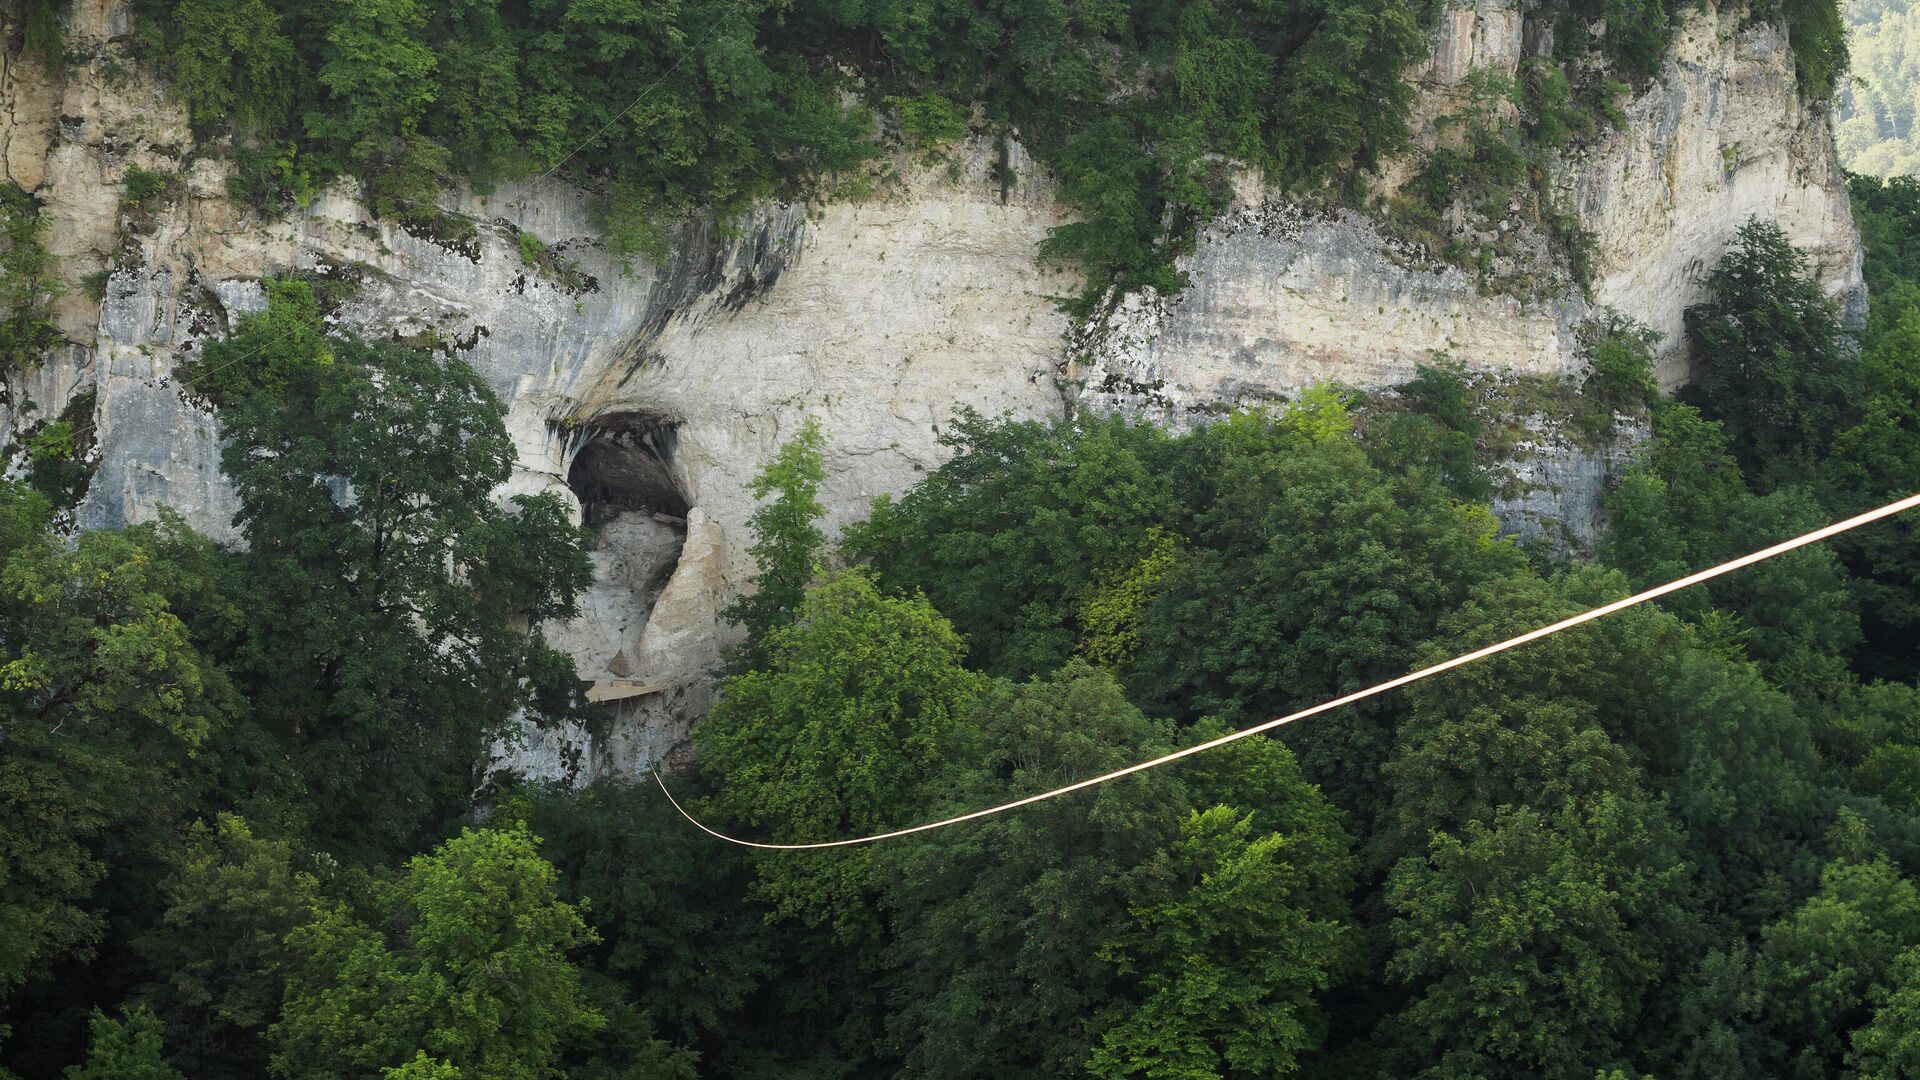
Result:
[1686,506]
[104,701]
[1889,1047]
[839,734]
[378,75]
[1308,572]
[786,540]
[463,957]
[1212,929]
[1014,536]
[1533,938]
[1778,370]
[220,949]
[232,63]
[1825,966]
[676,928]
[1221,970]
[128,1048]
[393,605]
[1733,759]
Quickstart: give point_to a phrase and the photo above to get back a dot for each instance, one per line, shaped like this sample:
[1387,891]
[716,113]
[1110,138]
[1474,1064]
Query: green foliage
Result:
[104,702]
[1110,616]
[377,73]
[532,249]
[27,286]
[124,1049]
[421,1067]
[707,106]
[462,957]
[232,62]
[841,731]
[269,178]
[1817,31]
[786,540]
[1014,537]
[1878,458]
[41,35]
[377,555]
[1226,961]
[1686,506]
[1779,374]
[1826,965]
[1619,365]
[1603,854]
[676,931]
[930,121]
[1874,111]
[1307,572]
[59,453]
[232,898]
[1634,37]
[1892,772]
[1889,1047]
[1430,425]
[1193,938]
[143,187]
[1571,889]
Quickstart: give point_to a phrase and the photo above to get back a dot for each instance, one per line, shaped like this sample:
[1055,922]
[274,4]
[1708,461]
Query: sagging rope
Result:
[1814,537]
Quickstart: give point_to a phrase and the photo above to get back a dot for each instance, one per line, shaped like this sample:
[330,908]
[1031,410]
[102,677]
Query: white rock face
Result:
[1281,297]
[1280,300]
[881,317]
[1723,138]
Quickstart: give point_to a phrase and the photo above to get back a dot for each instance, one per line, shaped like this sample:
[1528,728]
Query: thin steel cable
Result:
[1375,690]
[644,94]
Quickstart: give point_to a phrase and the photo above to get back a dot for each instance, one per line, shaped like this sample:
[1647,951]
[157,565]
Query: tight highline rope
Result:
[1604,610]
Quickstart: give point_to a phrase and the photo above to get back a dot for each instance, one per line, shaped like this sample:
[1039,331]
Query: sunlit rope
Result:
[1604,610]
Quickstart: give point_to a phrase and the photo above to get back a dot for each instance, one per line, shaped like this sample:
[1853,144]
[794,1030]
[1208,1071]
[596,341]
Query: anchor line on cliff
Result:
[644,94]
[1785,546]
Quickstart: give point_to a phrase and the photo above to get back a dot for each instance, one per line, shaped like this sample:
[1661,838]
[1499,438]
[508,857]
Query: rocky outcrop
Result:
[1282,296]
[1723,137]
[881,316]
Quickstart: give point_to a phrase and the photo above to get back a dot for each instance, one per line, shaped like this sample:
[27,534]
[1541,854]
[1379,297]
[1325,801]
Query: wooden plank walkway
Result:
[618,689]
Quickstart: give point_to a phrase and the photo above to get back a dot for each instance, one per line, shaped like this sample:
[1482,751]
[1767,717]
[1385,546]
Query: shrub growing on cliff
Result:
[27,286]
[786,540]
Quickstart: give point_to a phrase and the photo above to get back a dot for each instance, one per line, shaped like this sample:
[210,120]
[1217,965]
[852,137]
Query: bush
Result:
[1619,364]
[145,187]
[27,286]
[930,120]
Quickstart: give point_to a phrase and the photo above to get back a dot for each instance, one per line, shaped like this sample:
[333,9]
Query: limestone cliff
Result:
[653,397]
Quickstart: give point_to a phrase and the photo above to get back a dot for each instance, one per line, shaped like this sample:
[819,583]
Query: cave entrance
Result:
[629,482]
[626,464]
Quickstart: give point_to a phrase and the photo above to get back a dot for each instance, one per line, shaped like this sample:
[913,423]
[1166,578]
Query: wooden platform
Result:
[618,689]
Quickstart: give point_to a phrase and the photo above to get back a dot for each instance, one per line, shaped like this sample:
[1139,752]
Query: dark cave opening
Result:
[627,463]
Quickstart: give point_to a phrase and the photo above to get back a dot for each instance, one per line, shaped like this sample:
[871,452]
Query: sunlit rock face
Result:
[649,396]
